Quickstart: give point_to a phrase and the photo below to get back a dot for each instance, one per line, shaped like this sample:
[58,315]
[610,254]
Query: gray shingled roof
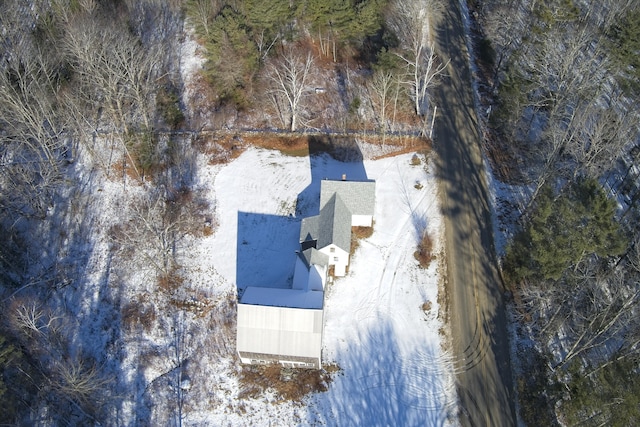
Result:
[312,256]
[309,228]
[335,224]
[358,196]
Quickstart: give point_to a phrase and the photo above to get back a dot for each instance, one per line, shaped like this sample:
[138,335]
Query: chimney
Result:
[344,176]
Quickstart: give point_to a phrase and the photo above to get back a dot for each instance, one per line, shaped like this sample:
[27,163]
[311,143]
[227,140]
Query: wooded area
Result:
[561,78]
[94,91]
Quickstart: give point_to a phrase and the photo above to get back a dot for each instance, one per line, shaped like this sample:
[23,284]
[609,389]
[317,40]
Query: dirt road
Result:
[476,310]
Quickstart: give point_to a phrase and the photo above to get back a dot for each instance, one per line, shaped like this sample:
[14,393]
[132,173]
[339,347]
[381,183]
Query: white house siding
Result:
[338,258]
[361,220]
[311,278]
[317,277]
[289,336]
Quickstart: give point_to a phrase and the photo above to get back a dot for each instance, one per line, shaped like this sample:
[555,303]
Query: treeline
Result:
[267,56]
[91,90]
[85,85]
[240,35]
[561,78]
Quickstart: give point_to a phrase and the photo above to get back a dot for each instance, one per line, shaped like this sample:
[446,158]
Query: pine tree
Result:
[232,57]
[564,230]
[8,356]
[625,45]
[267,18]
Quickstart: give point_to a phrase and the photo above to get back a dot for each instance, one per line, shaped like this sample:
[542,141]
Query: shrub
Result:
[426,306]
[288,384]
[358,233]
[424,254]
[143,150]
[137,313]
[168,104]
[170,282]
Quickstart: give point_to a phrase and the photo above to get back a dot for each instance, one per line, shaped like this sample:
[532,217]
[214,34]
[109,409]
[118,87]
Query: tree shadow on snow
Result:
[379,385]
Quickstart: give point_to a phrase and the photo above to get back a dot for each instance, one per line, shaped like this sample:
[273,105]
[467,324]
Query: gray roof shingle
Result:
[358,196]
[312,256]
[309,228]
[334,224]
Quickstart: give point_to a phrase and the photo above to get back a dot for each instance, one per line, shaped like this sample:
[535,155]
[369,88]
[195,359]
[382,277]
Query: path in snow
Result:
[393,368]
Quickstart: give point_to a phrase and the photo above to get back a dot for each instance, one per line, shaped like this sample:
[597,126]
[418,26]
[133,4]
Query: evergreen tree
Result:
[625,48]
[267,19]
[342,21]
[8,405]
[232,57]
[564,230]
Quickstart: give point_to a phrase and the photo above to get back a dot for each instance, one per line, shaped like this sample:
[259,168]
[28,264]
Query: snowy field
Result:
[394,370]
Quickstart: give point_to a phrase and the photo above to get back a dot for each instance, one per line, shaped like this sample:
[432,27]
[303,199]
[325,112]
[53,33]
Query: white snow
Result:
[394,370]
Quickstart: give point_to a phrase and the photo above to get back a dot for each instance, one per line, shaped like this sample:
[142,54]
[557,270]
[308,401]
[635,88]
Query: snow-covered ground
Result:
[394,370]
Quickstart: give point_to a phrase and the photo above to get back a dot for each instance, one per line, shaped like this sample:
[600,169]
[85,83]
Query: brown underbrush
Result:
[424,254]
[288,384]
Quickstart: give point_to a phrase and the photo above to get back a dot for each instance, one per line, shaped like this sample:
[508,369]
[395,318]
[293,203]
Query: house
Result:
[285,325]
[343,204]
[358,196]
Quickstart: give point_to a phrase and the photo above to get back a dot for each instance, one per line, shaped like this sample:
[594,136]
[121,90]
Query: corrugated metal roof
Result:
[279,331]
[283,297]
[358,196]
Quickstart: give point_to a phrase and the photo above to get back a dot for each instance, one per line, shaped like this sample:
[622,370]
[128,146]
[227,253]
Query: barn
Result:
[285,325]
[282,325]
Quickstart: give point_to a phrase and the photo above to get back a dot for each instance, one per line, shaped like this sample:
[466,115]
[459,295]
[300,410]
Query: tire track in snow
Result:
[422,369]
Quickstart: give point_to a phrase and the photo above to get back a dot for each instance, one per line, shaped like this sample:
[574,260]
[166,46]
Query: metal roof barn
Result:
[290,336]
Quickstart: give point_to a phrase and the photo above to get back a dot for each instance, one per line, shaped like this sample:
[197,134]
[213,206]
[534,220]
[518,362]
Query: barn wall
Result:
[286,335]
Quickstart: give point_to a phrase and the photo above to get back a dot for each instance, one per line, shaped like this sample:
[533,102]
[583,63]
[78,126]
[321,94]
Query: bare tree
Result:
[158,224]
[202,12]
[602,136]
[605,319]
[116,72]
[33,318]
[34,132]
[289,76]
[384,88]
[413,22]
[117,68]
[504,23]
[567,81]
[78,381]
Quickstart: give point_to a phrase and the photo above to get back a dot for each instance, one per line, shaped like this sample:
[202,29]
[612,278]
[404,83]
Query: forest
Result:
[94,97]
[559,80]
[101,134]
